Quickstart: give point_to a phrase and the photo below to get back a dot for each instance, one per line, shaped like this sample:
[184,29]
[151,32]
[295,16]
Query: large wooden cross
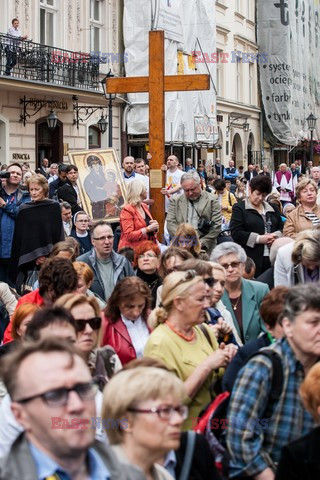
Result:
[156,85]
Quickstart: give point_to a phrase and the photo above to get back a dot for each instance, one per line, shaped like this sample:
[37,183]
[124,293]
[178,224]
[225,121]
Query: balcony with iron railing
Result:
[44,64]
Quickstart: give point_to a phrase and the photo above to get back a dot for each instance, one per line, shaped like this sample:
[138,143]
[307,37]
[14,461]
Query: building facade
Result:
[238,106]
[71,46]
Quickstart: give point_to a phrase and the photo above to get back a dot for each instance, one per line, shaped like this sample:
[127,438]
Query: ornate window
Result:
[48,10]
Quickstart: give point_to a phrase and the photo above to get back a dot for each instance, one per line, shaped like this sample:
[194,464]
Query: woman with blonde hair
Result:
[187,237]
[64,249]
[136,222]
[146,410]
[299,261]
[86,312]
[307,214]
[179,342]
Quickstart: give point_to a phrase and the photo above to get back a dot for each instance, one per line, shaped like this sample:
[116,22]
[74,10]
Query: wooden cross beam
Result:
[156,85]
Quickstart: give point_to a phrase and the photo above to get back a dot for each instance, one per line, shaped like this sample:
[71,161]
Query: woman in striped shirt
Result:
[307,214]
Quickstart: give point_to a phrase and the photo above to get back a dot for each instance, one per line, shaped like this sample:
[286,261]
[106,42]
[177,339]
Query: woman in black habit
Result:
[38,227]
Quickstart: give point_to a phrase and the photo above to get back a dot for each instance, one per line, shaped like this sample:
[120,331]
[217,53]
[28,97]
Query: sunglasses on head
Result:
[95,324]
[210,281]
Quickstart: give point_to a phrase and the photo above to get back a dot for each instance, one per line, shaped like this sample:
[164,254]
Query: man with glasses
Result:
[198,208]
[255,449]
[241,297]
[53,398]
[108,266]
[81,233]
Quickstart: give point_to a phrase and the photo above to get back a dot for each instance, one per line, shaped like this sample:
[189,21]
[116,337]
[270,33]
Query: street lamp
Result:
[246,127]
[311,121]
[102,124]
[110,97]
[52,120]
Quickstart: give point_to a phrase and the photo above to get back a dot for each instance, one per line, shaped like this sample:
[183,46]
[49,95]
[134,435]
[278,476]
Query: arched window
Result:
[94,137]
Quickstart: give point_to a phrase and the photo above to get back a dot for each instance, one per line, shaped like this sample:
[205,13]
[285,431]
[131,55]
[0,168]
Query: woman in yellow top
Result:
[226,200]
[179,342]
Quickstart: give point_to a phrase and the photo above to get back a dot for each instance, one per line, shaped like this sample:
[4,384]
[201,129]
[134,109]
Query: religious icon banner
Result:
[101,185]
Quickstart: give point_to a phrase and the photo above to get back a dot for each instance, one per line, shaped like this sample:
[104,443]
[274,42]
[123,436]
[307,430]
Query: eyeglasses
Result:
[210,281]
[231,264]
[104,238]
[95,324]
[165,412]
[147,255]
[59,397]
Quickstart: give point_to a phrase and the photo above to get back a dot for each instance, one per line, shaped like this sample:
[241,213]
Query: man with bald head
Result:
[129,172]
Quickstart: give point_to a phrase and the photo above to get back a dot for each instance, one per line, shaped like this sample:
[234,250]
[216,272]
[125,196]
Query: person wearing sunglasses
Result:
[146,261]
[126,314]
[148,405]
[53,398]
[241,297]
[192,353]
[87,315]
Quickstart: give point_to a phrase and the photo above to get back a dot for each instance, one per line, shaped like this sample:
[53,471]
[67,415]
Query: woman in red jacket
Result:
[126,328]
[136,222]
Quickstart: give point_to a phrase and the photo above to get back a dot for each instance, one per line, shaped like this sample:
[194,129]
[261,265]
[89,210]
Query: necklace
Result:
[185,337]
[234,305]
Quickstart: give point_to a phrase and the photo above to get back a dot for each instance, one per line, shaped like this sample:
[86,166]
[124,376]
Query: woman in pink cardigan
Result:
[136,222]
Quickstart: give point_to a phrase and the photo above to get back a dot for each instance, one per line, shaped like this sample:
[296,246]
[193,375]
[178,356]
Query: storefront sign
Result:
[20,156]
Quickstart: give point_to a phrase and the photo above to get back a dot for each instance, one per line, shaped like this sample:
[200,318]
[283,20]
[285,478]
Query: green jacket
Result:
[252,295]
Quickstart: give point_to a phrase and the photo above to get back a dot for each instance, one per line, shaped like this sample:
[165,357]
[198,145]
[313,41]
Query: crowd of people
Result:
[116,343]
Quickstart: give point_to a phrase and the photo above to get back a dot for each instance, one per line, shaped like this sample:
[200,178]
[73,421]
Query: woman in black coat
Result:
[255,223]
[301,459]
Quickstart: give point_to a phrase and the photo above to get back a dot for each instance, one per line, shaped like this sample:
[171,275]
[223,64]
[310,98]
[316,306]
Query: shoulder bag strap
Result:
[206,334]
[188,456]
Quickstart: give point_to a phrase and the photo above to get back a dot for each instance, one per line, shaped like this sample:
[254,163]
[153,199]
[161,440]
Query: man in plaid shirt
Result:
[257,427]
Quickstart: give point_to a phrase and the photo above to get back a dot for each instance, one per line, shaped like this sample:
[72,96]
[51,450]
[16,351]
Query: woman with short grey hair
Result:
[241,297]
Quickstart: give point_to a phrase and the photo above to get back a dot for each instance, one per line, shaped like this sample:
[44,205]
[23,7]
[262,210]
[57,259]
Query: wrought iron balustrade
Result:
[45,64]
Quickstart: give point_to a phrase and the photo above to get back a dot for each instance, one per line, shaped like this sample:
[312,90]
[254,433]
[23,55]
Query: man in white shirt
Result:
[173,177]
[129,172]
[14,37]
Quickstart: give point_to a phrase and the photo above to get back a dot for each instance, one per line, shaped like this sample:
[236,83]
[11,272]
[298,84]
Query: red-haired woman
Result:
[147,261]
[20,319]
[126,315]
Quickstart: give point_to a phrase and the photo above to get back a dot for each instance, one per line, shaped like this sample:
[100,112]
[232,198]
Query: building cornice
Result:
[246,41]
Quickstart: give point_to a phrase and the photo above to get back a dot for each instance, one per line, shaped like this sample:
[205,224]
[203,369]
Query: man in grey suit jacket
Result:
[199,208]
